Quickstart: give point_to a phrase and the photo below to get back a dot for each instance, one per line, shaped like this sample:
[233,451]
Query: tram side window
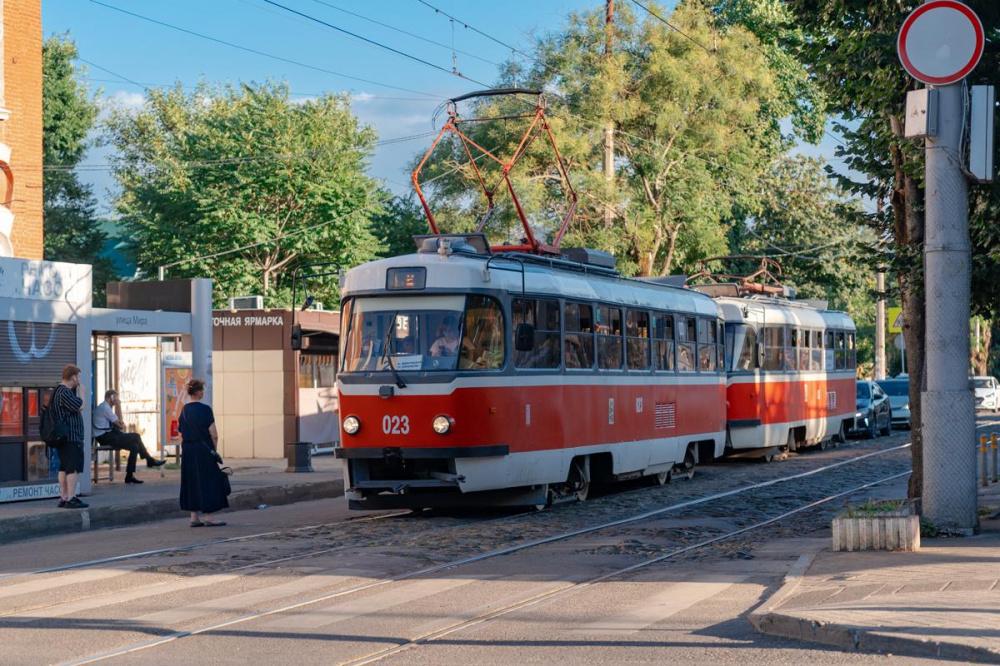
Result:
[543,314]
[817,351]
[720,350]
[828,352]
[840,351]
[851,351]
[687,336]
[748,352]
[664,351]
[707,342]
[578,343]
[774,347]
[792,348]
[609,337]
[805,340]
[482,343]
[637,339]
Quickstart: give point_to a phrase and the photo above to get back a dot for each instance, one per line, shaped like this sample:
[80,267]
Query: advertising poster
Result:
[138,374]
[176,375]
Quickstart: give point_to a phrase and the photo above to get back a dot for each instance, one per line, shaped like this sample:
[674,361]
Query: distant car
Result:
[874,413]
[987,393]
[898,390]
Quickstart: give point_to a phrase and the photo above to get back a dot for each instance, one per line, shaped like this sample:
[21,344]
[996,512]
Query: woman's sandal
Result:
[197,523]
[209,523]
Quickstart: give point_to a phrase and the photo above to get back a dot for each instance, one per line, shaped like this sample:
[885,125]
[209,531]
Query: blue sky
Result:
[150,54]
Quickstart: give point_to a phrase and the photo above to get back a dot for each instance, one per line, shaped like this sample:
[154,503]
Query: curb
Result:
[766,620]
[64,522]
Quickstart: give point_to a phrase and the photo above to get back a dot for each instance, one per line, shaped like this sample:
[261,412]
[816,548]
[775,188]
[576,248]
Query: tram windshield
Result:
[427,333]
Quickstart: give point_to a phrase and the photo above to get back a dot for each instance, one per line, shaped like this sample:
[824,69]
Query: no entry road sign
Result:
[940,42]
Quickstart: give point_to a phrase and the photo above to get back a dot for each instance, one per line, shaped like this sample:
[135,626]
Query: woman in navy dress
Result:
[202,489]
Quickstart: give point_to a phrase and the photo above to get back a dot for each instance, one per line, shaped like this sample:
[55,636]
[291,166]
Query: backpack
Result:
[52,429]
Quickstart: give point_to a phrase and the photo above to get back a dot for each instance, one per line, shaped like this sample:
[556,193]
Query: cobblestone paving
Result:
[431,537]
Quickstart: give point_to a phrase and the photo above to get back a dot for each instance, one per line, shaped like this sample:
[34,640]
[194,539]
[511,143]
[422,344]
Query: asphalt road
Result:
[314,583]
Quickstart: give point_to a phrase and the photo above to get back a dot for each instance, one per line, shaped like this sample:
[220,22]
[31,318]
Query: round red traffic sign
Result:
[940,42]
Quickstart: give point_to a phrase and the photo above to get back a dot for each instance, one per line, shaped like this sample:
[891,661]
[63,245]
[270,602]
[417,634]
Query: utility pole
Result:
[880,327]
[948,412]
[609,125]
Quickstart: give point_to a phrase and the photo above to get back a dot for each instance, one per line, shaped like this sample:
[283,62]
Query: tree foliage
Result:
[225,171]
[696,118]
[397,224]
[849,47]
[71,229]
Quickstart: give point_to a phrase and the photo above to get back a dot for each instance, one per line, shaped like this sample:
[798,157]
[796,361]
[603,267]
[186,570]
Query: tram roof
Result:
[778,311]
[457,271]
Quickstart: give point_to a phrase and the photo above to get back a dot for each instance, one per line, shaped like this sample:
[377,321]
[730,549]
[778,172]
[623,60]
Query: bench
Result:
[114,460]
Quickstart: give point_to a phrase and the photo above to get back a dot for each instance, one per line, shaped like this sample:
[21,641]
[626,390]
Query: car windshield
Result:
[896,388]
[983,382]
[429,333]
[864,393]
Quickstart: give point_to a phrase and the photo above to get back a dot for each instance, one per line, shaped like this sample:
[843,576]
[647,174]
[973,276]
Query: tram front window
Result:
[421,334]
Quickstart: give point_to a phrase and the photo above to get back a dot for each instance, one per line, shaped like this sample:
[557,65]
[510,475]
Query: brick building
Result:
[21,129]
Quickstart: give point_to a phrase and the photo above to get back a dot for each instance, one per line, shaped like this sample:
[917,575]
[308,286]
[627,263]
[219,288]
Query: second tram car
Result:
[791,368]
[515,379]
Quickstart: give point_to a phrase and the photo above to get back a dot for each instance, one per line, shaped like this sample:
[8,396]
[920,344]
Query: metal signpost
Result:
[939,44]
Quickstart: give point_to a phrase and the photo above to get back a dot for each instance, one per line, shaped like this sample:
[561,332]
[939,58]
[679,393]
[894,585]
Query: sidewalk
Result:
[942,602]
[254,481]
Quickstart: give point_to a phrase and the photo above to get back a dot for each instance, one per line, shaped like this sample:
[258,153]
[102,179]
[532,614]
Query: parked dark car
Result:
[874,413]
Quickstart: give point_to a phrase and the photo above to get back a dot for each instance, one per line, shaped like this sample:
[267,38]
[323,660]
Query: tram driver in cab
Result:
[447,341]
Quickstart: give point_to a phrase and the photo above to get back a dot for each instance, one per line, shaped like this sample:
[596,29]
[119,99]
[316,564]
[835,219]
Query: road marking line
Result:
[676,598]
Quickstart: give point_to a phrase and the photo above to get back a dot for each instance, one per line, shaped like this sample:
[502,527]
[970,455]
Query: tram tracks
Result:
[435,634]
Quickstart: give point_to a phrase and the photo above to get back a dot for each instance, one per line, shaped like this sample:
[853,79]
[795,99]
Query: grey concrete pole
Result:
[880,365]
[948,412]
[201,333]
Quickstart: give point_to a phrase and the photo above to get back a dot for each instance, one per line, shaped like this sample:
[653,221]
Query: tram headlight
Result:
[352,425]
[442,424]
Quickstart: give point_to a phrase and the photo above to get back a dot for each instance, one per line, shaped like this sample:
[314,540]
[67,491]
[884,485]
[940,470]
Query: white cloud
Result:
[125,100]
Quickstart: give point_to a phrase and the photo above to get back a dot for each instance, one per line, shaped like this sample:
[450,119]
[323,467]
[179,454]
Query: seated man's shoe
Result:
[153,462]
[132,479]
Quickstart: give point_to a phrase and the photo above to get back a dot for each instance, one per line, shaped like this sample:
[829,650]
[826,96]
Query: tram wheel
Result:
[547,503]
[686,468]
[578,483]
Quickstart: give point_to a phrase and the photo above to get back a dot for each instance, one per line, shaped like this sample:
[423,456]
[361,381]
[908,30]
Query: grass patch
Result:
[928,529]
[874,508]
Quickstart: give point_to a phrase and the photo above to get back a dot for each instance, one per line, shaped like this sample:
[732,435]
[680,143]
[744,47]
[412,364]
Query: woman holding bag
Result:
[204,487]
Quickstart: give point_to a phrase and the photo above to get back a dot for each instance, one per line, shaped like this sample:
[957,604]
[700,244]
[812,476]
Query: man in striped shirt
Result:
[68,408]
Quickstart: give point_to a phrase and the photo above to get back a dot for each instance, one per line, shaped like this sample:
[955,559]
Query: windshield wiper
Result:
[387,355]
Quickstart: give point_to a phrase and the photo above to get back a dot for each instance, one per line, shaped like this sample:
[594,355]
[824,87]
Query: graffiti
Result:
[34,352]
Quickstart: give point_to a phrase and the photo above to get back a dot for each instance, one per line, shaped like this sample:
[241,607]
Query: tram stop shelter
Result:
[47,320]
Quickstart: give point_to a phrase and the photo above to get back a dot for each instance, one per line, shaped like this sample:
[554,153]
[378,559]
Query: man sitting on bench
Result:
[109,432]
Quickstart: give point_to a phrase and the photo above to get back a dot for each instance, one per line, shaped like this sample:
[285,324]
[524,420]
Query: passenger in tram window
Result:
[748,353]
[447,341]
[685,357]
[483,346]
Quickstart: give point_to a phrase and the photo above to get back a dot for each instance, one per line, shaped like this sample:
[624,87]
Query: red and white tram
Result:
[472,378]
[791,373]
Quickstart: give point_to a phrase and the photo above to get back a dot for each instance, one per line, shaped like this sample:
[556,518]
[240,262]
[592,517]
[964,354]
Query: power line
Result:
[670,25]
[147,85]
[477,30]
[264,54]
[215,255]
[371,41]
[108,71]
[223,161]
[405,32]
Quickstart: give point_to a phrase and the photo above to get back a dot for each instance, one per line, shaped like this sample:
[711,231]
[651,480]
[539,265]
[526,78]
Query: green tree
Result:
[397,224]
[71,229]
[696,118]
[849,48]
[819,236]
[264,184]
